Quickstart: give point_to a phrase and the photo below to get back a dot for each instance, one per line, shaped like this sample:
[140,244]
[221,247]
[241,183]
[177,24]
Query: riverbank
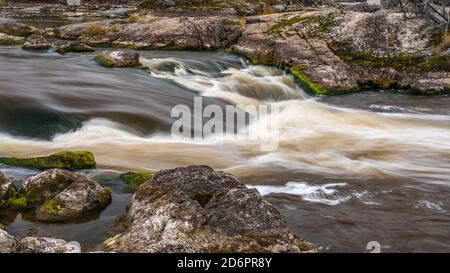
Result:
[331,51]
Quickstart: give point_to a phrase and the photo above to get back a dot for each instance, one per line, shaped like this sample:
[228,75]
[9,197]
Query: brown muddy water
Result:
[351,169]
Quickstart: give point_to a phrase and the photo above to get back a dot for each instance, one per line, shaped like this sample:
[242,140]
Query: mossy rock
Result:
[118,58]
[8,40]
[134,180]
[60,195]
[313,25]
[72,161]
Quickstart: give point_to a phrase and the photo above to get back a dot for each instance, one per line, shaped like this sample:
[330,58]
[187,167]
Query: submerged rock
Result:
[14,28]
[134,180]
[6,242]
[6,39]
[73,161]
[196,209]
[73,46]
[61,195]
[118,58]
[37,42]
[45,245]
[7,190]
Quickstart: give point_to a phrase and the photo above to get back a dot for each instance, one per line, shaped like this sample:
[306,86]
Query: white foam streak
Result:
[325,194]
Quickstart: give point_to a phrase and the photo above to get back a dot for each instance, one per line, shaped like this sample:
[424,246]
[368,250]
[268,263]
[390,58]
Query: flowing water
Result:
[373,166]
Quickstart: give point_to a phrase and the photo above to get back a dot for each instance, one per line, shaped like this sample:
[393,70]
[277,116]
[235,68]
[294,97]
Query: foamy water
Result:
[338,166]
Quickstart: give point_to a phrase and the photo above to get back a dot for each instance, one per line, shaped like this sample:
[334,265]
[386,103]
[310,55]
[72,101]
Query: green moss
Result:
[400,61]
[134,180]
[9,42]
[102,60]
[106,195]
[63,160]
[18,202]
[54,206]
[307,82]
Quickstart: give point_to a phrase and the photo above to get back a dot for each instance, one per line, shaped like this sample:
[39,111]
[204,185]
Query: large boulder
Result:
[118,58]
[179,33]
[12,27]
[45,245]
[76,160]
[37,42]
[196,209]
[61,195]
[7,190]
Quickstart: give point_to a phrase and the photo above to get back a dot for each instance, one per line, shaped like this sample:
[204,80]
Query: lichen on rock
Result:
[196,209]
[6,242]
[7,190]
[69,160]
[45,245]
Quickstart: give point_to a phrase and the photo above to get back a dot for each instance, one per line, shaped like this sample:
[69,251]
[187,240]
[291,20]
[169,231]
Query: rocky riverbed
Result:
[330,50]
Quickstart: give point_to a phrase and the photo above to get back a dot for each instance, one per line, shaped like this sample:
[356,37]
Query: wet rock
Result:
[37,42]
[61,195]
[332,51]
[6,242]
[7,190]
[14,28]
[196,209]
[73,161]
[45,245]
[161,33]
[118,58]
[73,46]
[6,39]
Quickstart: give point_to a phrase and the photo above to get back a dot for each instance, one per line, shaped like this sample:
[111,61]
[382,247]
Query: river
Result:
[350,169]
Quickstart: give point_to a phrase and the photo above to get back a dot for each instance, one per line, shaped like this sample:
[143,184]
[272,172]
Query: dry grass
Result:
[92,30]
[115,28]
[133,18]
[445,42]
